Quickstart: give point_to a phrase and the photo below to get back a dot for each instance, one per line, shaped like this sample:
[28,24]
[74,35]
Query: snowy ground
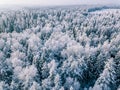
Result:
[60,48]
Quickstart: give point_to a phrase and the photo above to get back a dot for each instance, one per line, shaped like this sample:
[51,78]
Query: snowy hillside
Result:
[60,48]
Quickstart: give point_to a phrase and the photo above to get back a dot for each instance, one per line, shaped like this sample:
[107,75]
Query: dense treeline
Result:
[60,49]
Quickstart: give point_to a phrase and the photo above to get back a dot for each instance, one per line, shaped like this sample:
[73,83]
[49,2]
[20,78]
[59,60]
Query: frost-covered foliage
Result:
[60,48]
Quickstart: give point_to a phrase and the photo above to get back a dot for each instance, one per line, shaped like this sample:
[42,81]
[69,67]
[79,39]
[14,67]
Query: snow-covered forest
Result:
[60,48]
